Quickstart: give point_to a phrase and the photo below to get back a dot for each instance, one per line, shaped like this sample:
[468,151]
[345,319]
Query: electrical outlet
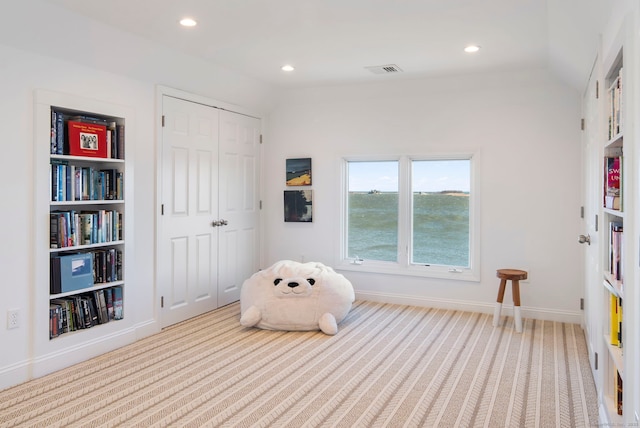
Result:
[13,318]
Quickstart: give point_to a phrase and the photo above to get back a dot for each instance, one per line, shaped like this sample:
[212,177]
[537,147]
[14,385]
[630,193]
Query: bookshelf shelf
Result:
[88,160]
[85,247]
[613,213]
[87,202]
[99,286]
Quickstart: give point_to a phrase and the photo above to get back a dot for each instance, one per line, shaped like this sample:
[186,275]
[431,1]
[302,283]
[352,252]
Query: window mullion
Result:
[404,211]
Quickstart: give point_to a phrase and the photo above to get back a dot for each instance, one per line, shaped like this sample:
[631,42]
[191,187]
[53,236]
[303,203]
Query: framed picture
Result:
[298,205]
[299,172]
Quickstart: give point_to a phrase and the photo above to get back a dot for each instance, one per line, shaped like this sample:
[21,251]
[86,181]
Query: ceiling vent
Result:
[384,69]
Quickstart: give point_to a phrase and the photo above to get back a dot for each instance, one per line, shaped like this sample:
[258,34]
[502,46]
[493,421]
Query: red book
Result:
[87,139]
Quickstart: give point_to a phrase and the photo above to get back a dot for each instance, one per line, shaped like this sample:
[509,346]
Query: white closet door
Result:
[239,203]
[188,247]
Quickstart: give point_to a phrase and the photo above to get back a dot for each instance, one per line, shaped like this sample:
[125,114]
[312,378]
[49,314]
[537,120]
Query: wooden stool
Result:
[515,276]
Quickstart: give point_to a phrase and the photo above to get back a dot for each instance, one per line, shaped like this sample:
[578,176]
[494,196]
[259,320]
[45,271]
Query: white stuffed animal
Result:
[296,297]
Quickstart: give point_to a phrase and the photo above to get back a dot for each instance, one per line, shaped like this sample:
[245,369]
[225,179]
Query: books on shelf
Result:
[82,311]
[72,228]
[86,135]
[71,182]
[615,106]
[77,271]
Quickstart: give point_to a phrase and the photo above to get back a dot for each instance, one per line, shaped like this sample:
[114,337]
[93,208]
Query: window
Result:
[410,215]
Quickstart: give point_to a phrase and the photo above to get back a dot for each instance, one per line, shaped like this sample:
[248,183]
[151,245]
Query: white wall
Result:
[45,47]
[524,126]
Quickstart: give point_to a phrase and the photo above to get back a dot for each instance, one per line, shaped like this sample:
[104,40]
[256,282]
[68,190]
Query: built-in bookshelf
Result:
[614,212]
[83,205]
[85,220]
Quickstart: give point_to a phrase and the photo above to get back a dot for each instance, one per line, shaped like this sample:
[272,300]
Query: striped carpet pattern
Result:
[388,366]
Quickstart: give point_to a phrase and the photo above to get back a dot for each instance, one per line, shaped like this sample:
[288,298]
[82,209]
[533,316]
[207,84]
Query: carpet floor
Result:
[388,366]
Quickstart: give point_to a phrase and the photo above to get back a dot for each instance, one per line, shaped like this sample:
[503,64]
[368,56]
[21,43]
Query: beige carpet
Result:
[389,365]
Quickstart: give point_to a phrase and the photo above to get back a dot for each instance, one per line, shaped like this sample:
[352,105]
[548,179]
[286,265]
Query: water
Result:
[440,228]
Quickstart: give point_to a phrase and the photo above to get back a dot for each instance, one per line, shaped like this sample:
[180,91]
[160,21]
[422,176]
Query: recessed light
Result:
[472,49]
[188,22]
[288,67]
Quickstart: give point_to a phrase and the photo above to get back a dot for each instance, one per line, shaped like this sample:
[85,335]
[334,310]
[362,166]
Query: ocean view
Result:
[441,227]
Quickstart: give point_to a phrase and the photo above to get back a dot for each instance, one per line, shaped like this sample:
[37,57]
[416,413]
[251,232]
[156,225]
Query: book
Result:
[615,249]
[613,320]
[612,182]
[87,139]
[118,304]
[54,133]
[108,295]
[619,392]
[619,322]
[60,134]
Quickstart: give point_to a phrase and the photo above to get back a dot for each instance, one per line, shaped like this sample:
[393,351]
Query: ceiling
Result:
[333,41]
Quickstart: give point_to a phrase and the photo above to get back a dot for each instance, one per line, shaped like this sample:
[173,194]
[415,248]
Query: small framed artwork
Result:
[299,172]
[298,205]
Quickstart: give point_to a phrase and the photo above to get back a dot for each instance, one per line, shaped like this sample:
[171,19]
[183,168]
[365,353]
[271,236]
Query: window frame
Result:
[405,222]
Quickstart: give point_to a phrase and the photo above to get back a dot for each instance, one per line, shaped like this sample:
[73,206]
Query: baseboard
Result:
[42,365]
[15,374]
[573,317]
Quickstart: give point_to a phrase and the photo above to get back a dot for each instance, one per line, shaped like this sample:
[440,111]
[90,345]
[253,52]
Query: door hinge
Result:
[597,89]
[260,138]
[582,124]
[162,209]
[260,204]
[163,120]
[582,212]
[162,301]
[595,362]
[596,225]
[582,303]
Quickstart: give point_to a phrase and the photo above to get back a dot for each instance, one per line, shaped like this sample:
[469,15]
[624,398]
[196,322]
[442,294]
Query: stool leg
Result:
[498,308]
[515,287]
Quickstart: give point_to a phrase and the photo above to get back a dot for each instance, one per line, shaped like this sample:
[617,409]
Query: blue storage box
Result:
[71,272]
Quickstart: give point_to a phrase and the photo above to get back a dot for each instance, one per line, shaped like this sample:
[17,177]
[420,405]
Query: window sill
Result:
[440,272]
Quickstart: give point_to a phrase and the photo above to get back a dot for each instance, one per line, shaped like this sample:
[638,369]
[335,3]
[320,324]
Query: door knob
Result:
[584,239]
[215,223]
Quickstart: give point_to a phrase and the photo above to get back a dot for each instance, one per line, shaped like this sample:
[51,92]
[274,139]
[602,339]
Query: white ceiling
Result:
[332,41]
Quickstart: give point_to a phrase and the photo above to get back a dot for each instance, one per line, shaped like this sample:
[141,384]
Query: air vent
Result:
[383,69]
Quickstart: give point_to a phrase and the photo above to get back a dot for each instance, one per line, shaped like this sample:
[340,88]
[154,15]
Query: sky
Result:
[428,176]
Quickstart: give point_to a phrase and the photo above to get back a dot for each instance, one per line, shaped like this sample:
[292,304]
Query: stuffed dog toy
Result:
[296,296]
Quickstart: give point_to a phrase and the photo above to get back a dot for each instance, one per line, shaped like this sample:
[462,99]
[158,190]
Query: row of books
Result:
[615,105]
[615,320]
[85,310]
[72,228]
[76,183]
[76,271]
[79,135]
[616,259]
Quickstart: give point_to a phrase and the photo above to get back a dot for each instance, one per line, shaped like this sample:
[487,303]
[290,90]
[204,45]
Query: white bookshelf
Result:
[69,347]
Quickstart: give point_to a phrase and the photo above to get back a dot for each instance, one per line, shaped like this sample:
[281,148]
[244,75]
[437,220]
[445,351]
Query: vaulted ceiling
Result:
[334,41]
